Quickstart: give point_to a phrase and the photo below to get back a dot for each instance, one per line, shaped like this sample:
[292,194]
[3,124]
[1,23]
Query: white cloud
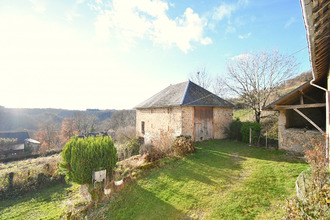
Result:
[290,22]
[222,11]
[243,56]
[225,10]
[146,19]
[245,36]
[38,6]
[230,29]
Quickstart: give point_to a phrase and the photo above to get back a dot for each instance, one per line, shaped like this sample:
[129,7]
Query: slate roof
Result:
[184,94]
[21,136]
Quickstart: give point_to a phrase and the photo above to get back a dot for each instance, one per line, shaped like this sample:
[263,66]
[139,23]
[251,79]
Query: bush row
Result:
[240,131]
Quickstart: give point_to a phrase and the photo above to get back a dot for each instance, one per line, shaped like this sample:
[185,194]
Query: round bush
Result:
[234,130]
[245,131]
[82,156]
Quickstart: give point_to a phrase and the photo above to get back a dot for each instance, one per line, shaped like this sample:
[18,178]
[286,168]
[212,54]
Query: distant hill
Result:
[17,119]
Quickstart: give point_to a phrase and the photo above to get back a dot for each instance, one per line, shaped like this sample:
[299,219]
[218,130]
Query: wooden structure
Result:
[304,112]
[183,109]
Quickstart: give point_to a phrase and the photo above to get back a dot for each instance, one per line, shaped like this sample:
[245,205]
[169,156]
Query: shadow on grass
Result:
[43,195]
[138,203]
[229,147]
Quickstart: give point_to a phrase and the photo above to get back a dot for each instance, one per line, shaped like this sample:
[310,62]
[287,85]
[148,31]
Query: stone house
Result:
[183,109]
[304,112]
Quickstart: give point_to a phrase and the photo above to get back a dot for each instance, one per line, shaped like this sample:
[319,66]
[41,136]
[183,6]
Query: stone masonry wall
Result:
[222,118]
[297,140]
[188,121]
[158,120]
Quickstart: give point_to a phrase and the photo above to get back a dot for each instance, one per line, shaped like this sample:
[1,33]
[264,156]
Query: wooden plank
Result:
[301,99]
[309,120]
[314,105]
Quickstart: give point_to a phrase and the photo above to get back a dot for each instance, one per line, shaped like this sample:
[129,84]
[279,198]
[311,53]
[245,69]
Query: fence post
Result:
[250,137]
[266,139]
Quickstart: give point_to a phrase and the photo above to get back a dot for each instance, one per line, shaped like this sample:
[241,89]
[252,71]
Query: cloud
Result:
[225,10]
[38,6]
[290,22]
[230,29]
[146,19]
[243,57]
[245,36]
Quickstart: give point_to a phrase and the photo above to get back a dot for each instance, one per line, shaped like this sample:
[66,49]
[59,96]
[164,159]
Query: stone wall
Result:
[222,118]
[158,121]
[188,121]
[177,121]
[297,140]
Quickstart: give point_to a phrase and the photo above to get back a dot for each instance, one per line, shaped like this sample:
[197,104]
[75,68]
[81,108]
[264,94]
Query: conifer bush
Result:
[82,156]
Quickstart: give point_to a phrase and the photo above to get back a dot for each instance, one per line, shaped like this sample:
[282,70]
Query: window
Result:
[142,127]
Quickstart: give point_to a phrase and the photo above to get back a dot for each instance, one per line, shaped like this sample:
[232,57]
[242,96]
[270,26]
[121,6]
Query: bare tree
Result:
[119,119]
[219,86]
[256,76]
[201,77]
[84,122]
[49,135]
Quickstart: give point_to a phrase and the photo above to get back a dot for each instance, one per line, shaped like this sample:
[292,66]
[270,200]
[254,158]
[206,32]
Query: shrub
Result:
[151,152]
[129,148]
[183,145]
[124,134]
[83,156]
[245,131]
[314,203]
[233,132]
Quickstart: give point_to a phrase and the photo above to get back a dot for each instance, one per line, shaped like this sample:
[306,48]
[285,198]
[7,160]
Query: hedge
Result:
[245,131]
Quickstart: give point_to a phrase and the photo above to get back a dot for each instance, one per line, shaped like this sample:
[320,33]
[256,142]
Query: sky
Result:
[115,54]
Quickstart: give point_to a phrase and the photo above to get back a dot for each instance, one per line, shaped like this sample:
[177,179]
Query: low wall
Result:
[299,140]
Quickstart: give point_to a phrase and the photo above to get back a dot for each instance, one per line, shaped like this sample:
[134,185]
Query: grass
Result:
[47,203]
[222,180]
[244,114]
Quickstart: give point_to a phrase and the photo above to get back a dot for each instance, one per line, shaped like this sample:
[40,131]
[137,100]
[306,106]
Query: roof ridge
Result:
[185,92]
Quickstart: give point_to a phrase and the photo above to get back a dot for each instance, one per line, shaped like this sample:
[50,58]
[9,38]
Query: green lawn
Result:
[47,203]
[222,180]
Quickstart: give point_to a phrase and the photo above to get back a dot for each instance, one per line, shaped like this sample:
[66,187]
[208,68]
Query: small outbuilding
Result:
[304,112]
[24,144]
[183,109]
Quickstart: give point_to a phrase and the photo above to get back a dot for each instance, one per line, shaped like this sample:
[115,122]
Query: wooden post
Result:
[266,138]
[250,136]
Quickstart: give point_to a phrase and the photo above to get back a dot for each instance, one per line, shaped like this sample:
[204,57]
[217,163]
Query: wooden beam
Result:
[301,98]
[308,97]
[315,105]
[309,120]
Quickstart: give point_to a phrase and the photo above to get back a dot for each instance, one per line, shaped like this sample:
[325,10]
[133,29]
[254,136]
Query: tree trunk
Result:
[258,116]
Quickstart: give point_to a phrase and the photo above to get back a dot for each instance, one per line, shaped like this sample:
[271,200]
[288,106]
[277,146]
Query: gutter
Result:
[305,13]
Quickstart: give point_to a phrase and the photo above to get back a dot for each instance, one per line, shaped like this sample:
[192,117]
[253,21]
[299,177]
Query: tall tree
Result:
[201,77]
[256,76]
[68,129]
[48,135]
